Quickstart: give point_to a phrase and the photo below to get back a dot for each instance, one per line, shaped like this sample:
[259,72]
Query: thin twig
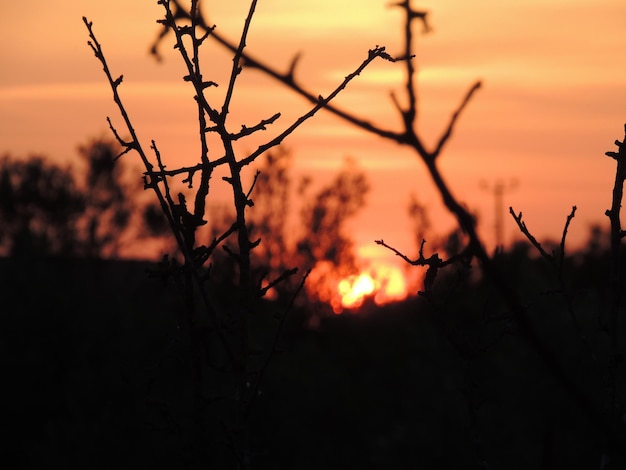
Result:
[261,126]
[236,69]
[522,226]
[284,276]
[448,132]
[322,103]
[562,245]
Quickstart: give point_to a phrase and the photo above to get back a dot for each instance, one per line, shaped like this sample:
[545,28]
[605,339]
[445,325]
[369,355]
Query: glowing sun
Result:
[382,284]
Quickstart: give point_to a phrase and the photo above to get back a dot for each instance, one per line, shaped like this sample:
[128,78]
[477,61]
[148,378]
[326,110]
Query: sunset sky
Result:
[553,98]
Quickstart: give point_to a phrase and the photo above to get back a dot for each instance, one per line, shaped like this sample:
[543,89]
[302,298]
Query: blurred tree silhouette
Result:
[325,215]
[40,205]
[420,220]
[269,216]
[46,209]
[317,238]
[326,243]
[107,205]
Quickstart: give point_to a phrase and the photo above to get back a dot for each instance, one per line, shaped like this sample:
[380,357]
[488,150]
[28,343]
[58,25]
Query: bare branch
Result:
[236,70]
[292,67]
[152,179]
[562,245]
[261,126]
[322,102]
[414,14]
[526,232]
[256,177]
[202,253]
[409,115]
[190,170]
[434,262]
[284,276]
[127,146]
[446,135]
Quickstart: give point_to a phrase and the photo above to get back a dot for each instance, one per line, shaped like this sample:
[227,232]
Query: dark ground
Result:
[92,378]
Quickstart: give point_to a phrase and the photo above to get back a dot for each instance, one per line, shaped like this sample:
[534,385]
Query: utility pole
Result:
[498,189]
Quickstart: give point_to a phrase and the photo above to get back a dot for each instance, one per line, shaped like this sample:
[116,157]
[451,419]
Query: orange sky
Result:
[553,97]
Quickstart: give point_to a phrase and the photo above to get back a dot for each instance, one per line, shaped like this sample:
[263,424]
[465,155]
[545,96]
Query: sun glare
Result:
[355,288]
[383,284]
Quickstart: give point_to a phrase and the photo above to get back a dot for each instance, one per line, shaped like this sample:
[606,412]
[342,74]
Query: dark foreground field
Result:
[94,377]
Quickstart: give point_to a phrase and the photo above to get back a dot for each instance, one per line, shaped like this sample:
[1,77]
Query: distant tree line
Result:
[47,209]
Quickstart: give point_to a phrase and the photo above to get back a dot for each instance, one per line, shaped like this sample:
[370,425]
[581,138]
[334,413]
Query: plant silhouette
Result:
[47,209]
[221,353]
[39,207]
